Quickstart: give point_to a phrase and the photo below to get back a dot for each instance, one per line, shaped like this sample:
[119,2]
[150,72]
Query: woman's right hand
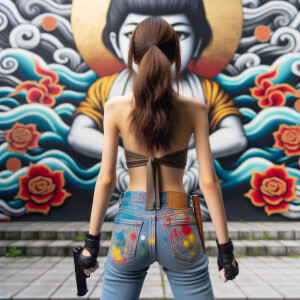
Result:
[222,272]
[227,264]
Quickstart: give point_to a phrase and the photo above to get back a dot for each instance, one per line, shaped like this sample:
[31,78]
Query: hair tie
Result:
[152,44]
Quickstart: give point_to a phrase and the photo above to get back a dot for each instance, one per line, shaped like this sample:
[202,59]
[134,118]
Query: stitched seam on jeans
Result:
[182,212]
[127,221]
[180,222]
[153,238]
[134,213]
[138,200]
[140,214]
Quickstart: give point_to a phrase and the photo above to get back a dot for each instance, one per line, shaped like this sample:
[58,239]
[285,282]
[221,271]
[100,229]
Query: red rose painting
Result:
[287,138]
[272,189]
[22,137]
[41,188]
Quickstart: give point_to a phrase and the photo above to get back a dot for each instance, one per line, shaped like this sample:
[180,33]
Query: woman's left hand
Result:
[87,271]
[85,252]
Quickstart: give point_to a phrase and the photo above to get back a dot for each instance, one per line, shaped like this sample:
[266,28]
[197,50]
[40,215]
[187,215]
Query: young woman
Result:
[156,221]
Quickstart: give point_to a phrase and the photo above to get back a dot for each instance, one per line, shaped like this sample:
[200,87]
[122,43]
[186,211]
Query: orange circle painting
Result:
[262,33]
[225,19]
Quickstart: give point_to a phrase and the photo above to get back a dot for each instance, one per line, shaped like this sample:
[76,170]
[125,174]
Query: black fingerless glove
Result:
[92,244]
[225,258]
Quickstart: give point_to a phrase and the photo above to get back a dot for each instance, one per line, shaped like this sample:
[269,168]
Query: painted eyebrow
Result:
[132,23]
[174,24]
[180,23]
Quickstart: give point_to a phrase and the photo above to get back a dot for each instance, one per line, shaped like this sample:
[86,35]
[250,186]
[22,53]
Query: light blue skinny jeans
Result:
[169,236]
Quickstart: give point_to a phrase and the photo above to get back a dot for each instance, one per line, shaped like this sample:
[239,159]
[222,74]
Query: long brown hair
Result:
[155,45]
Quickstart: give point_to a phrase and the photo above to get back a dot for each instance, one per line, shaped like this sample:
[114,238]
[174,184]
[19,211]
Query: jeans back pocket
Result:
[184,239]
[124,238]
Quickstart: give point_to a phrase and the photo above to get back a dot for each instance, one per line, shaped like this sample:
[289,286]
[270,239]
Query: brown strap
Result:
[196,204]
[175,159]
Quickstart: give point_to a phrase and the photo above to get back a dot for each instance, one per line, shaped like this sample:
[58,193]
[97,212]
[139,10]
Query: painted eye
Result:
[128,34]
[182,35]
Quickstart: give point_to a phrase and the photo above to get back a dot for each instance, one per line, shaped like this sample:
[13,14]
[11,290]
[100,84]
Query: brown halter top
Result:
[175,159]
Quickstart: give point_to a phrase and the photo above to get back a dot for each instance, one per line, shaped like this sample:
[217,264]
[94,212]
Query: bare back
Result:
[171,179]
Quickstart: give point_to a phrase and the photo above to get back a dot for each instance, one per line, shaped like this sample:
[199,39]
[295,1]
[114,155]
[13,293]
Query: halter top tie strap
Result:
[175,159]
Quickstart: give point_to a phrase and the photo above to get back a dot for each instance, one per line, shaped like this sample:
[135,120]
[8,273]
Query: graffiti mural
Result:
[62,60]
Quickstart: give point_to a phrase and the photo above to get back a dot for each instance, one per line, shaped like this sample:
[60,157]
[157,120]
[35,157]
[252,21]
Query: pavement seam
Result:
[72,274]
[163,285]
[14,274]
[95,286]
[272,287]
[12,297]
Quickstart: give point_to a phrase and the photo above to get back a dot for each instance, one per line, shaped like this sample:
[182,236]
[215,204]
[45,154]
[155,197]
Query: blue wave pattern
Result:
[239,85]
[54,124]
[54,131]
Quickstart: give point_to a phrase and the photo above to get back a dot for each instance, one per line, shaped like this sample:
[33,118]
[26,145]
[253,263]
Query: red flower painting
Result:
[272,189]
[22,137]
[269,94]
[41,188]
[45,91]
[287,138]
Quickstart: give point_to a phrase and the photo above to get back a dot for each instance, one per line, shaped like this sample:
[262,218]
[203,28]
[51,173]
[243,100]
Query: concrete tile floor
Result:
[53,278]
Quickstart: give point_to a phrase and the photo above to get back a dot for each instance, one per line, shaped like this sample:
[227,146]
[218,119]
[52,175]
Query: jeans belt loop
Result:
[189,199]
[120,198]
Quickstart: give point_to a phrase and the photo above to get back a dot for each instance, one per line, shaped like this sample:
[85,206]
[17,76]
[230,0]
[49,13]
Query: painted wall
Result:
[59,66]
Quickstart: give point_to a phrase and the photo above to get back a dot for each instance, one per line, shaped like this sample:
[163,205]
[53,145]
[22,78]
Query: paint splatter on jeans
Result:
[124,238]
[184,238]
[141,237]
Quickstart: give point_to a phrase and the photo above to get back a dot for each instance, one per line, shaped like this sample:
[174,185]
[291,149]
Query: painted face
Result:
[181,25]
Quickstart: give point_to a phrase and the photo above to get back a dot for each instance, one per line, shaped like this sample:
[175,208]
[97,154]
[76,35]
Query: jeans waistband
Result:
[140,196]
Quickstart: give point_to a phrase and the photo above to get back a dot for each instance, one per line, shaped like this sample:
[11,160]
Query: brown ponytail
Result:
[154,44]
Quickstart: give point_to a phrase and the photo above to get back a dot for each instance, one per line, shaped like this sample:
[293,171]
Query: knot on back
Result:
[154,160]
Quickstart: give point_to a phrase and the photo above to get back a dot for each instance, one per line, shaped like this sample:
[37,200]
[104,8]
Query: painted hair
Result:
[155,46]
[193,9]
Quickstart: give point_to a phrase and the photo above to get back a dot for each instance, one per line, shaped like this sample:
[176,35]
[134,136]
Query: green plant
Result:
[14,252]
[250,238]
[257,250]
[266,237]
[237,255]
[78,238]
[294,255]
[242,220]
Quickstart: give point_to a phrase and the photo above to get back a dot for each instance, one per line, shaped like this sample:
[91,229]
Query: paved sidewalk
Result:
[53,278]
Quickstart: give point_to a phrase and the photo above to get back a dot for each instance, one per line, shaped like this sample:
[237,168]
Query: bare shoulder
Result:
[198,105]
[116,108]
[115,102]
[196,112]
[193,105]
